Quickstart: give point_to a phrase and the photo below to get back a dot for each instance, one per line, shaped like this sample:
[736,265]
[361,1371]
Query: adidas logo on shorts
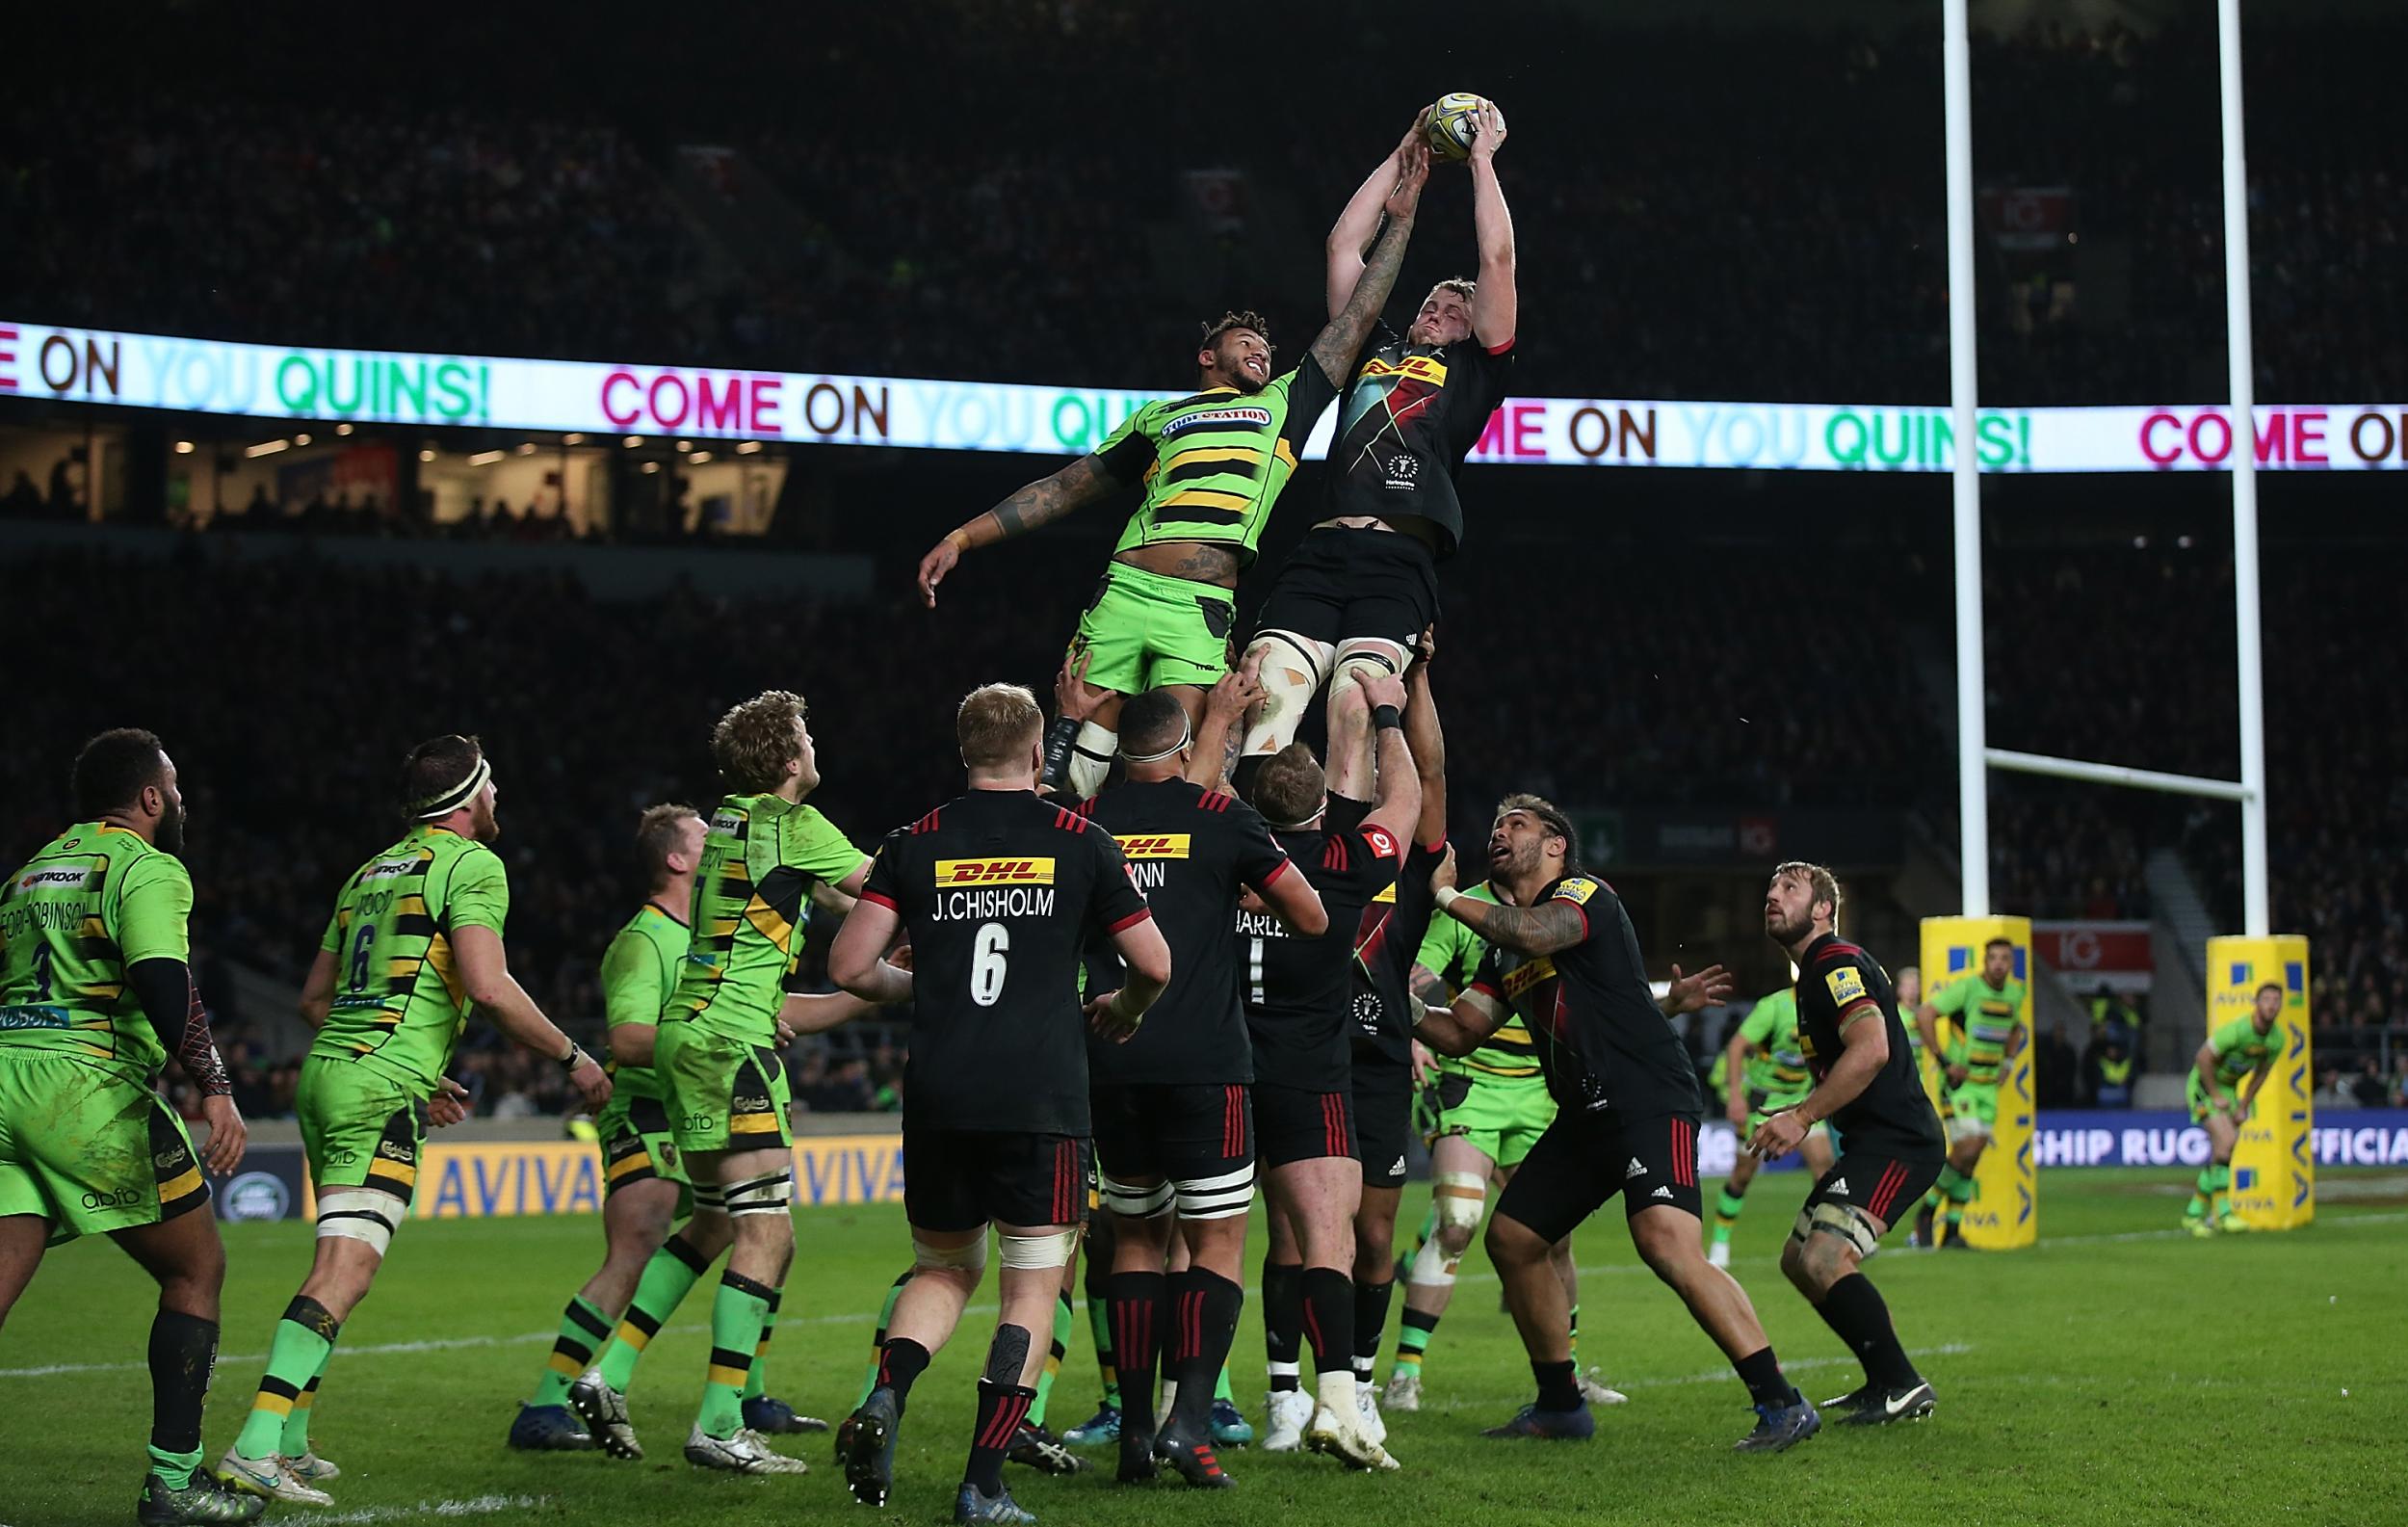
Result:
[1838,1187]
[1660,1193]
[1399,1166]
[1637,1169]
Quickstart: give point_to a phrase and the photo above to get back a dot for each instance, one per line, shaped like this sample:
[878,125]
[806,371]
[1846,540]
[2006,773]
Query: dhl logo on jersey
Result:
[1524,977]
[953,872]
[1155,846]
[1421,368]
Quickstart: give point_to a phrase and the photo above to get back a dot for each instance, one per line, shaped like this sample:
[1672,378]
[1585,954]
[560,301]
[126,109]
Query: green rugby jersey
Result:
[95,900]
[400,1002]
[1986,1019]
[2240,1050]
[759,863]
[1211,465]
[1776,1061]
[640,973]
[1452,953]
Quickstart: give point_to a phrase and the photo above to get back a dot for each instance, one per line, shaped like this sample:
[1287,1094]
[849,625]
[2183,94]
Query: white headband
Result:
[457,797]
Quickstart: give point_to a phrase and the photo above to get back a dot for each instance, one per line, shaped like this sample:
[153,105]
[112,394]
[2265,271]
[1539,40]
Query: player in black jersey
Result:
[1867,1084]
[1298,1006]
[1565,958]
[1174,1119]
[998,891]
[1363,585]
[1385,942]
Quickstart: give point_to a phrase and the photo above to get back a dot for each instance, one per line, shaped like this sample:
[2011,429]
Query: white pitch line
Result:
[475,1506]
[858,1318]
[1713,1376]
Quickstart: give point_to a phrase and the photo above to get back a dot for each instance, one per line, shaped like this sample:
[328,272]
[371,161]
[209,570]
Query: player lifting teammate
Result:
[416,942]
[2242,1047]
[998,890]
[1209,467]
[1363,585]
[95,993]
[716,1045]
[1986,1008]
[1174,1119]
[1298,1007]
[647,1271]
[1865,1084]
[1381,1035]
[1565,955]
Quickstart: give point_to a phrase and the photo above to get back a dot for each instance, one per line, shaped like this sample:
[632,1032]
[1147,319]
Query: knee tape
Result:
[1221,1197]
[1458,1196]
[969,1258]
[1037,1253]
[1136,1202]
[1359,661]
[1291,674]
[1091,758]
[770,1194]
[1846,1221]
[709,1197]
[361,1214]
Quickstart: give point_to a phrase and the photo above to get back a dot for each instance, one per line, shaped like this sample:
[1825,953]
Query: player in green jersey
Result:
[2242,1047]
[1492,1107]
[647,1271]
[1908,983]
[1986,1010]
[1764,1070]
[715,1047]
[414,944]
[95,992]
[1209,466]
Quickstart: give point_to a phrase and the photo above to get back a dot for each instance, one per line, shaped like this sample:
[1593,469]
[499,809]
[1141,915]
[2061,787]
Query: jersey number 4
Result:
[988,963]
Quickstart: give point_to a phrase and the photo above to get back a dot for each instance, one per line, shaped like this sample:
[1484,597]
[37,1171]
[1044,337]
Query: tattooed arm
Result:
[1040,503]
[1336,347]
[1541,929]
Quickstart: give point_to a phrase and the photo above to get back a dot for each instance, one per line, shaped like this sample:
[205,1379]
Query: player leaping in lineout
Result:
[1209,466]
[1363,585]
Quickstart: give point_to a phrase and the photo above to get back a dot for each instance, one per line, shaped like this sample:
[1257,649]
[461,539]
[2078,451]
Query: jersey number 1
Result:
[987,964]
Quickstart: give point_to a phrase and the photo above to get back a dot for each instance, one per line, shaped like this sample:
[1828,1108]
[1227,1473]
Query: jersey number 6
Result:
[360,956]
[988,964]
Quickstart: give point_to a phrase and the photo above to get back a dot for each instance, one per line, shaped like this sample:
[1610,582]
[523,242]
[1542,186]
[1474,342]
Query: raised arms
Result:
[1076,485]
[1337,345]
[1494,305]
[1358,222]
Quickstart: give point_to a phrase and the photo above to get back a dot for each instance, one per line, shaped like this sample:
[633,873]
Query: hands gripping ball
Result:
[1452,124]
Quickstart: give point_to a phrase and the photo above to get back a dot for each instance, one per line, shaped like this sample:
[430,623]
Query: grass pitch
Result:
[2119,1372]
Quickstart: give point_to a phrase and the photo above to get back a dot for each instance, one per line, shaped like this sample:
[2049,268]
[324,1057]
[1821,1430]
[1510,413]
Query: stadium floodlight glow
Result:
[572,438]
[651,466]
[685,445]
[342,429]
[747,447]
[486,458]
[183,447]
[700,457]
[301,440]
[266,448]
[426,454]
[526,447]
[632,442]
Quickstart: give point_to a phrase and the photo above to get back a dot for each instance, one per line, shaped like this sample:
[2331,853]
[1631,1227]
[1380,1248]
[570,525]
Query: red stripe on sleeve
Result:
[879,899]
[1141,914]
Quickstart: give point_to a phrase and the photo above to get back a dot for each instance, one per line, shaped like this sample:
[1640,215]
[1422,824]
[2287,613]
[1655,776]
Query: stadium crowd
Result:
[563,226]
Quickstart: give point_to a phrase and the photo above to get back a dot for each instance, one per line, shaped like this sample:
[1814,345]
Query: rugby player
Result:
[1491,1106]
[1865,1084]
[715,1047]
[1986,1008]
[2242,1047]
[95,993]
[1363,585]
[1174,1110]
[1209,467]
[646,1272]
[1565,955]
[1764,1072]
[1385,942]
[416,942]
[1298,1008]
[998,890]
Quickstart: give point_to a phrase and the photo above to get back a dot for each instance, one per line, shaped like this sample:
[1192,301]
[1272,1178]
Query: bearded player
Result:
[414,944]
[1565,957]
[1209,467]
[1363,585]
[1865,1084]
[95,993]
